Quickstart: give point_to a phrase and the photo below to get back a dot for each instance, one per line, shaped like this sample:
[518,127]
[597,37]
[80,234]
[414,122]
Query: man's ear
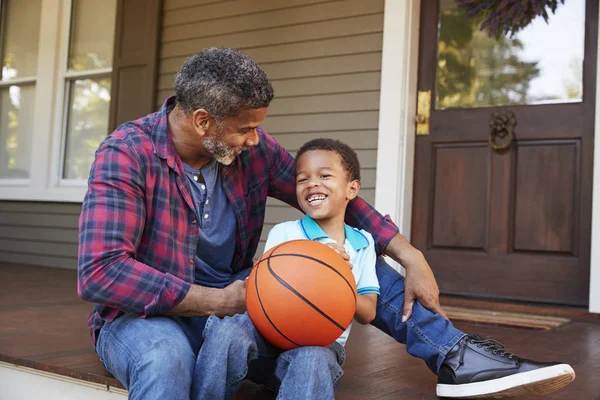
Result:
[201,120]
[353,188]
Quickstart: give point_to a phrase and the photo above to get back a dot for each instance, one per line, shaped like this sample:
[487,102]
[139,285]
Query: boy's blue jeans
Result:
[234,350]
[156,357]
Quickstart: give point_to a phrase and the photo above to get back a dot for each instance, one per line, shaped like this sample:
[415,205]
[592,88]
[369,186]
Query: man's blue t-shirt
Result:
[217,224]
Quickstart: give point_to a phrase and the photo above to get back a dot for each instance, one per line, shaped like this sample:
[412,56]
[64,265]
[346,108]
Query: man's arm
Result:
[203,301]
[420,283]
[111,226]
[110,229]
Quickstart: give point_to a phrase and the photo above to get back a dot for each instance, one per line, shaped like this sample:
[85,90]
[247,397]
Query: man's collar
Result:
[163,145]
[313,231]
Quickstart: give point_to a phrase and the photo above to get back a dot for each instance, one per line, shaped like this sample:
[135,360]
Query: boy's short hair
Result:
[348,156]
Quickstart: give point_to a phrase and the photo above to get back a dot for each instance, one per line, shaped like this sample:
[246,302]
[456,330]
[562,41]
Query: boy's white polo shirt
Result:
[359,245]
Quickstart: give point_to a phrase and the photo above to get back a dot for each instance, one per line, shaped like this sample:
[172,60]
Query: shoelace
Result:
[490,344]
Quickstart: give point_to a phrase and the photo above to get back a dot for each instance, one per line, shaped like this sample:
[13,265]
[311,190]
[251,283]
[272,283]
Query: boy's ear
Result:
[353,188]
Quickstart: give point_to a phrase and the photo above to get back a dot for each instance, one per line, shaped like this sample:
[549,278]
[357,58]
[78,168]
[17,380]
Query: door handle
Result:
[423,112]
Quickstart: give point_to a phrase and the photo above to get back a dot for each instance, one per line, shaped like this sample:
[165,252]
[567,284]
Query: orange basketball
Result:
[301,293]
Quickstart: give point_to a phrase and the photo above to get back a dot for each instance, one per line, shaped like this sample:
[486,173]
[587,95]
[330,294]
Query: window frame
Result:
[51,107]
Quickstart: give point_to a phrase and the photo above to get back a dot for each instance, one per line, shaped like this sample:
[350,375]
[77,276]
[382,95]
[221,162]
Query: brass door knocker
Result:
[502,125]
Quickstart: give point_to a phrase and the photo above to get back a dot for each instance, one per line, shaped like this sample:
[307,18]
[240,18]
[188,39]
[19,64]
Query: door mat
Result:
[504,318]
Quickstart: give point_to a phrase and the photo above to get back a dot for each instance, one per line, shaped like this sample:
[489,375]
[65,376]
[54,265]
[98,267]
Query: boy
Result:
[327,178]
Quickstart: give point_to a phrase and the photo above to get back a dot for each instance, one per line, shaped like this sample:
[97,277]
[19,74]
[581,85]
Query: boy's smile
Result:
[323,188]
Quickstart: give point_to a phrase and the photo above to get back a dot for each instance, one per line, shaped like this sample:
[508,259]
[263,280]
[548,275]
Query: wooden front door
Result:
[503,181]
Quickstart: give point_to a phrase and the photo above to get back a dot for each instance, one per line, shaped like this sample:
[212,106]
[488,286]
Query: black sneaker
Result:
[478,367]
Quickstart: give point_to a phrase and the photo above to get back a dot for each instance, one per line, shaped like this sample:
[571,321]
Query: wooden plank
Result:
[39,248]
[40,207]
[273,19]
[363,101]
[207,12]
[360,139]
[169,5]
[296,51]
[367,62]
[62,235]
[342,83]
[41,220]
[42,260]
[315,31]
[504,318]
[363,120]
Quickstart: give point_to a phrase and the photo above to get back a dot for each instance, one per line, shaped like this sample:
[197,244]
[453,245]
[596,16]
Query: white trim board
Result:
[17,382]
[595,248]
[396,136]
[397,105]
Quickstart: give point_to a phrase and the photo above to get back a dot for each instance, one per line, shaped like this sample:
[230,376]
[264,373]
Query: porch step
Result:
[18,382]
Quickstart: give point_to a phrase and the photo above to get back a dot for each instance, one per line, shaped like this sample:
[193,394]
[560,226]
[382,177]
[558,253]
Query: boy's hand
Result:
[341,251]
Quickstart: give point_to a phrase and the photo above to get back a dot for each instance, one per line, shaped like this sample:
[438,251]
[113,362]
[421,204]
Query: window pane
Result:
[20,38]
[16,126]
[543,63]
[87,124]
[92,34]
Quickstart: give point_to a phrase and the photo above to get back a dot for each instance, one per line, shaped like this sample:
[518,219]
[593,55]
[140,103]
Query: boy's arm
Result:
[367,283]
[366,308]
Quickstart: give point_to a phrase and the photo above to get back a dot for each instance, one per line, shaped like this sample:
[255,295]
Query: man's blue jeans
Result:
[155,357]
[234,350]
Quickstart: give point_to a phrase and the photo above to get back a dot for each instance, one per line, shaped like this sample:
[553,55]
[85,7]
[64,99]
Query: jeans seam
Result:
[135,360]
[389,305]
[446,348]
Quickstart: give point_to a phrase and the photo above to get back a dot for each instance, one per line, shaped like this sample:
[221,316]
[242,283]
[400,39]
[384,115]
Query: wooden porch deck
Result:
[44,327]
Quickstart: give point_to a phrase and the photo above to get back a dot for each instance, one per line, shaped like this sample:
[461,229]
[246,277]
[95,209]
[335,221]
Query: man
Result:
[172,219]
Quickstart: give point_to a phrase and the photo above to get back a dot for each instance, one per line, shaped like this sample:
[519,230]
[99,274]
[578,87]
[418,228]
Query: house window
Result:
[19,49]
[88,82]
[55,90]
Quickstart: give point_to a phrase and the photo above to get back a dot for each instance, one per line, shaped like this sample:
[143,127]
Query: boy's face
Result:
[322,186]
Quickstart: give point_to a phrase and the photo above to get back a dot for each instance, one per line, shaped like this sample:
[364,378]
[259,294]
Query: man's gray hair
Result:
[222,81]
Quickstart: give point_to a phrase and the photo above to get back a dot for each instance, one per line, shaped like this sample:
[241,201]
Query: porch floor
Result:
[44,327]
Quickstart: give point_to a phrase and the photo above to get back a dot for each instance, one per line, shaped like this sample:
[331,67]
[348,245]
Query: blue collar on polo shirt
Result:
[313,231]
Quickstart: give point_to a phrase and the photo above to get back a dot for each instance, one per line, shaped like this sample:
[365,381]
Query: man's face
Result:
[228,138]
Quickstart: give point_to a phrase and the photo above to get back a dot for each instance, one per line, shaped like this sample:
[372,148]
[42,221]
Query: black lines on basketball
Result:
[317,261]
[263,307]
[290,288]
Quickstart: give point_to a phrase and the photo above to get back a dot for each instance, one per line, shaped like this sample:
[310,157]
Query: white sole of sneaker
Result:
[538,382]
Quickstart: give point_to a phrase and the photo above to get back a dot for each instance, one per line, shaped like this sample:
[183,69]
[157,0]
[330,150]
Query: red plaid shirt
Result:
[138,229]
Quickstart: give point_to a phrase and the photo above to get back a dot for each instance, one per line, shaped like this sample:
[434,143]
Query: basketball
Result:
[301,293]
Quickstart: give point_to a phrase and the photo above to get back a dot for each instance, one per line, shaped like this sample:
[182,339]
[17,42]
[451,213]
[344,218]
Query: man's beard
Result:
[219,149]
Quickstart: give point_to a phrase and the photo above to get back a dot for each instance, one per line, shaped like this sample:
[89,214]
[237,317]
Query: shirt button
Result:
[191,260]
[205,216]
[206,202]
[196,178]
[203,187]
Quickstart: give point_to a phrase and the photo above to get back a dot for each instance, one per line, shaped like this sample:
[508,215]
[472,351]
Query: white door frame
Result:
[396,138]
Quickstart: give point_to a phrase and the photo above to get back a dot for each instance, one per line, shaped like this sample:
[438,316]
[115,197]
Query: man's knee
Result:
[167,358]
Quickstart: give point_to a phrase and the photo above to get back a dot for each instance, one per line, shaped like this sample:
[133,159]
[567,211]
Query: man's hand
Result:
[234,299]
[201,301]
[341,251]
[419,283]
